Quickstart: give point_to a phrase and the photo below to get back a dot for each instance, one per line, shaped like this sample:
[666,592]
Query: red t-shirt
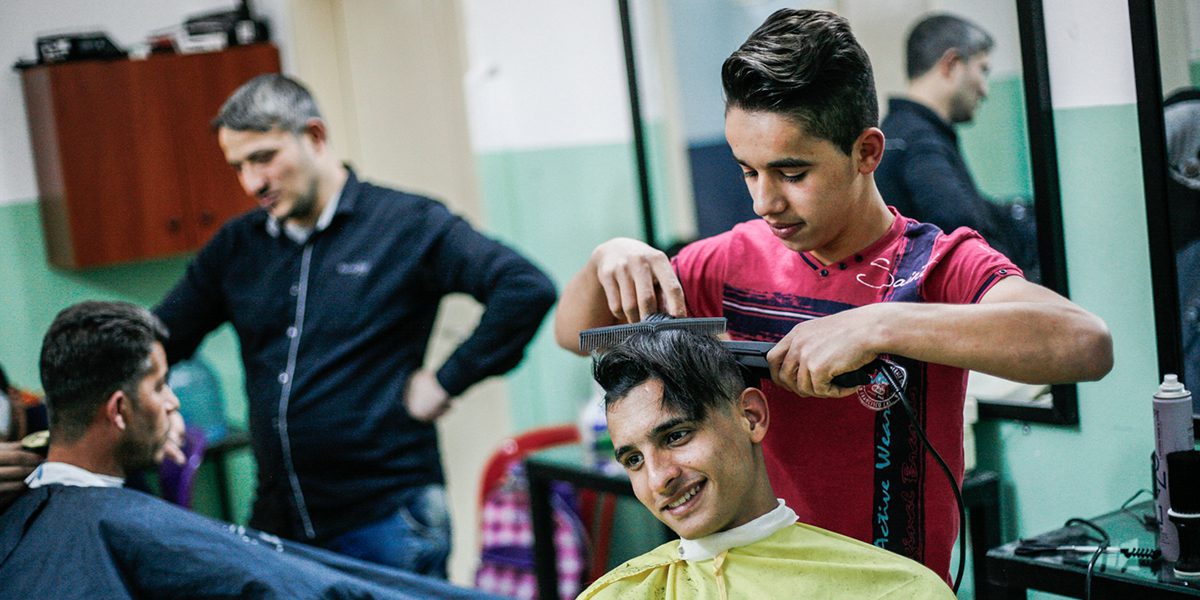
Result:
[842,466]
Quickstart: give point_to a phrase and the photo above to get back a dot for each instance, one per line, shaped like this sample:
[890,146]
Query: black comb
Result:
[601,338]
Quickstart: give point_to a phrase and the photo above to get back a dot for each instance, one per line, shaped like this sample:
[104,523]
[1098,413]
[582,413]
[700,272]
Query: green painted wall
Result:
[557,205]
[996,142]
[32,293]
[1052,473]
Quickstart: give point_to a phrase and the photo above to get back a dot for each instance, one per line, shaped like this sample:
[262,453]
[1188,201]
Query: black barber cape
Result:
[77,542]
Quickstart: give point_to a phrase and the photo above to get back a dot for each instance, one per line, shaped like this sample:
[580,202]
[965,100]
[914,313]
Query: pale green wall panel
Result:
[32,293]
[996,142]
[657,154]
[1053,473]
[556,205]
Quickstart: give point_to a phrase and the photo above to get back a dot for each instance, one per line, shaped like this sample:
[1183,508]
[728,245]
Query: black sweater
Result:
[330,331]
[923,174]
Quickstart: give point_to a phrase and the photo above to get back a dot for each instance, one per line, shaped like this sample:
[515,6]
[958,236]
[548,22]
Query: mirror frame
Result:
[1164,280]
[1047,201]
[1043,157]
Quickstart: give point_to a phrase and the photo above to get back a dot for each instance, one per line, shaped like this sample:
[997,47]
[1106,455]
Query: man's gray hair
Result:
[268,102]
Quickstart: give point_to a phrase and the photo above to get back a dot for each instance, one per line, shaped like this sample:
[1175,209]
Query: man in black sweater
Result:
[923,173]
[332,288]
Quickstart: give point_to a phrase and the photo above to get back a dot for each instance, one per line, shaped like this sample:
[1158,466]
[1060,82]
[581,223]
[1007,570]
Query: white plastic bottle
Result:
[1173,431]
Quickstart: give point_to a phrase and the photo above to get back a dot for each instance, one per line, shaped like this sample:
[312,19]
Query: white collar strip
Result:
[64,474]
[300,234]
[710,546]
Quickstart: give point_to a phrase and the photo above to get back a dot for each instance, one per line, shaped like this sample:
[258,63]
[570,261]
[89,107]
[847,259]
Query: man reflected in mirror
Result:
[923,172]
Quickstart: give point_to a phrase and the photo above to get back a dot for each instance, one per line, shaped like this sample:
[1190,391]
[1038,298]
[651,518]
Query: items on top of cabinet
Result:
[76,46]
[206,32]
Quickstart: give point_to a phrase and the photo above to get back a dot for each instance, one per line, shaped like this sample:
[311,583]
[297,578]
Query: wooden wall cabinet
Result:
[128,167]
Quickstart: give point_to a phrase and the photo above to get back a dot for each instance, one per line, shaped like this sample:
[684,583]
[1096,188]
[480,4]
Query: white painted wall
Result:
[1087,65]
[536,81]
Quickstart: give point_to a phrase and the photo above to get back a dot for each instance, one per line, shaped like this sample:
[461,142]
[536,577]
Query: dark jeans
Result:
[415,538]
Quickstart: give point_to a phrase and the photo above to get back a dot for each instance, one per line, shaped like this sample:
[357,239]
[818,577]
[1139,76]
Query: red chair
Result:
[597,509]
[516,448]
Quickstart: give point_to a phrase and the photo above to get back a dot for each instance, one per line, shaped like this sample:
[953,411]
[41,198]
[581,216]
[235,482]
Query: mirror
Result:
[1166,38]
[674,51]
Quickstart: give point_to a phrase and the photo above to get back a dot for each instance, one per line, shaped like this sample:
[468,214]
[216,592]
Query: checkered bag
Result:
[506,558]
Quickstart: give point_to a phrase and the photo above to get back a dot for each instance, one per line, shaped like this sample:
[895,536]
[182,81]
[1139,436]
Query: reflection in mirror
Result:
[684,43]
[960,100]
[1166,46]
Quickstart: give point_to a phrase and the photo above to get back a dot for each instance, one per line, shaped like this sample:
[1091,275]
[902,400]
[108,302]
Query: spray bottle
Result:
[1173,431]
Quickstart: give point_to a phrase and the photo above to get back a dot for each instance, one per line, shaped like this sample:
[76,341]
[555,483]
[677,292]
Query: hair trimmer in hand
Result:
[753,356]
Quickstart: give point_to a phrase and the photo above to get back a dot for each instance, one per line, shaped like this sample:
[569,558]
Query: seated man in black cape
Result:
[78,533]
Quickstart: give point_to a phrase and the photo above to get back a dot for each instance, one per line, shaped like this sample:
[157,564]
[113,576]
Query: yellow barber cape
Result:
[798,561]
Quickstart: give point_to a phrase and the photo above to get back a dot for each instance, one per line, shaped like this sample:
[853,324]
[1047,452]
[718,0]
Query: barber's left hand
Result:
[173,448]
[807,359]
[424,397]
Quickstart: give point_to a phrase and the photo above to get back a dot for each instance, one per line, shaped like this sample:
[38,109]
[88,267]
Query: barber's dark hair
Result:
[91,350]
[697,373]
[932,36]
[268,102]
[805,64]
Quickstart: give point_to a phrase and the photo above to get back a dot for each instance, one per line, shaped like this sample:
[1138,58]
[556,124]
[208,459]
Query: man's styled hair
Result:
[91,350]
[268,102]
[805,64]
[932,36]
[697,373]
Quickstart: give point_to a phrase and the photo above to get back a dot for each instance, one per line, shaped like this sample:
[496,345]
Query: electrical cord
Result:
[1104,543]
[1059,543]
[1147,521]
[962,512]
[1034,547]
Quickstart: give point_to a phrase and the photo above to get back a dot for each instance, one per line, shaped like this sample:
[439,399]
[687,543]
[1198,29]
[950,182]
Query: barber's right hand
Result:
[638,280]
[15,465]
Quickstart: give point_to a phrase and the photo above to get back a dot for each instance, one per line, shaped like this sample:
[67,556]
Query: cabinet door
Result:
[128,167]
[107,181]
[200,84]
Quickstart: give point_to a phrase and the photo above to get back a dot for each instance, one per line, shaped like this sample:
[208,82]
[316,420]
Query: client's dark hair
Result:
[91,350]
[696,371]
